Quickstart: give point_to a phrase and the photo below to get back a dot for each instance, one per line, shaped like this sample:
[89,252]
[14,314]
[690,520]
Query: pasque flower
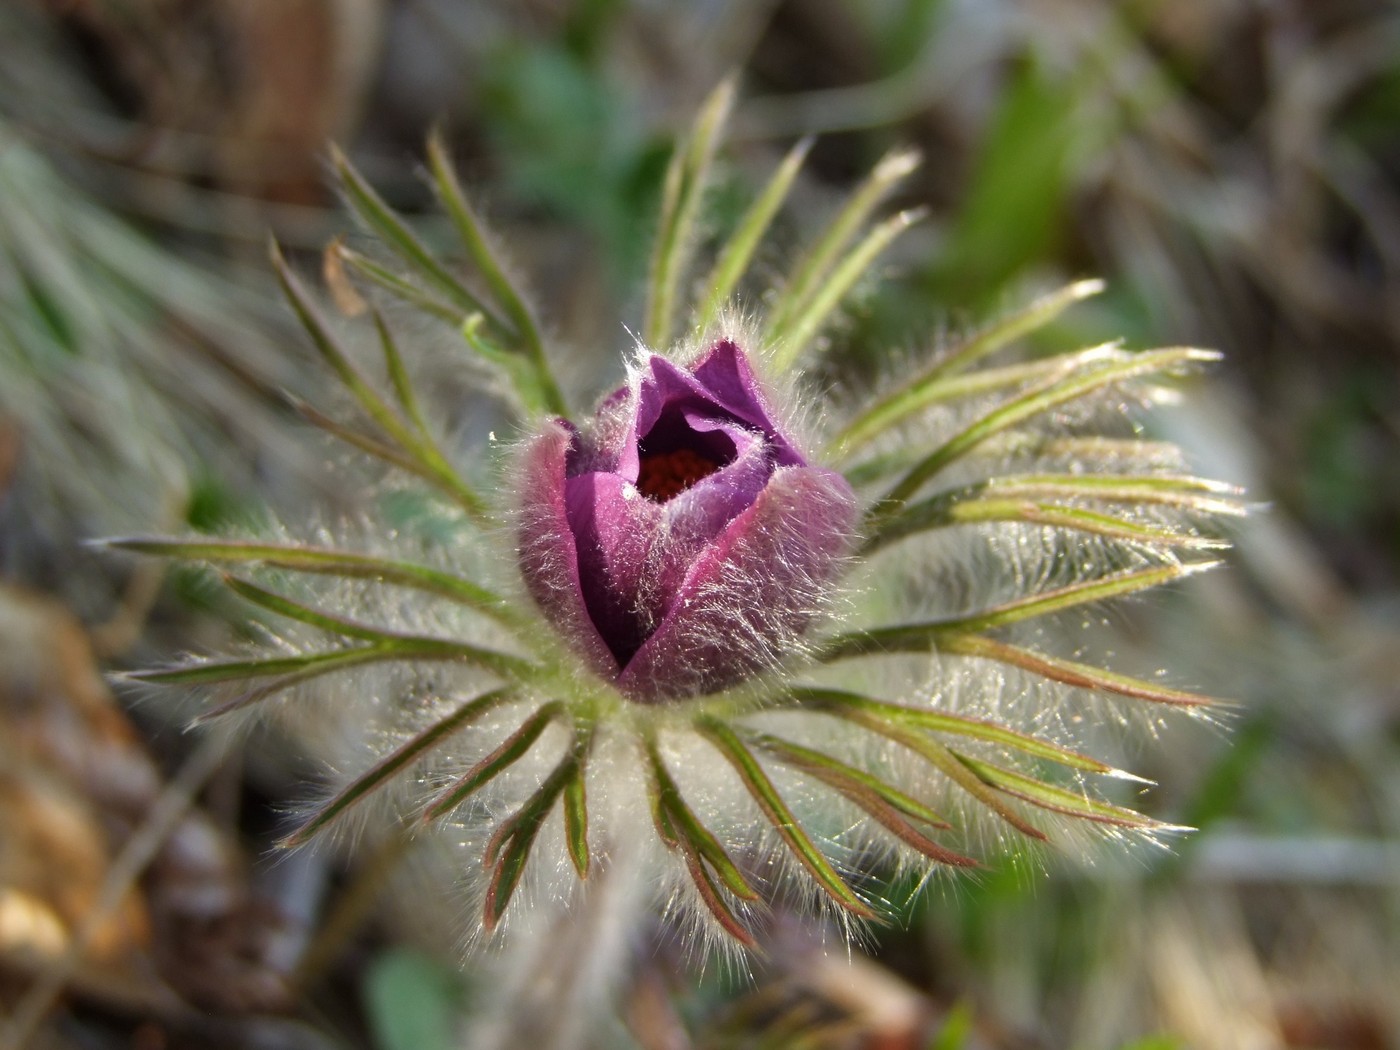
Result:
[680,542]
[803,647]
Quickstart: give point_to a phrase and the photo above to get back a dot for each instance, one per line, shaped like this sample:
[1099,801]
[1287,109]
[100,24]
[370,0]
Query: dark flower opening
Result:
[674,454]
[668,474]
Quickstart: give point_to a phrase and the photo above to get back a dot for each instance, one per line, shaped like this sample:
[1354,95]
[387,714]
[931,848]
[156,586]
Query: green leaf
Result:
[576,821]
[214,671]
[414,452]
[958,508]
[756,782]
[379,636]
[1018,189]
[314,666]
[1174,490]
[947,763]
[415,439]
[823,765]
[323,561]
[711,897]
[330,350]
[412,1002]
[678,828]
[921,637]
[809,276]
[396,286]
[291,670]
[844,705]
[985,381]
[287,671]
[510,751]
[470,229]
[808,318]
[394,455]
[424,741]
[886,804]
[293,610]
[682,194]
[734,259]
[531,389]
[1056,799]
[509,847]
[929,387]
[1083,376]
[677,825]
[398,376]
[1075,594]
[513,853]
[1070,672]
[395,233]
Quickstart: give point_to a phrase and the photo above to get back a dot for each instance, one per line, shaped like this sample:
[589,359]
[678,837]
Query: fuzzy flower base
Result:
[714,640]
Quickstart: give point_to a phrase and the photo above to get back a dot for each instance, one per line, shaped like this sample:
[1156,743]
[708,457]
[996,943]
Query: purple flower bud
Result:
[681,543]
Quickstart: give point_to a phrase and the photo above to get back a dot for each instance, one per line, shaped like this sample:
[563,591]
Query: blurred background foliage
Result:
[1231,168]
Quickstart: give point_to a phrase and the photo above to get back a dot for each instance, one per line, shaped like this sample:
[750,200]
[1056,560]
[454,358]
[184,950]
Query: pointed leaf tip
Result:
[897,164]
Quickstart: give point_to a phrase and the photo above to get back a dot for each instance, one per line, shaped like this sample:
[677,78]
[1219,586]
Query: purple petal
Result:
[749,596]
[673,402]
[634,554]
[725,374]
[548,554]
[713,502]
[615,529]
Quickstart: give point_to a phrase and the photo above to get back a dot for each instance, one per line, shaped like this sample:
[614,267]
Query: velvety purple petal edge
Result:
[727,376]
[613,528]
[789,544]
[723,377]
[548,554]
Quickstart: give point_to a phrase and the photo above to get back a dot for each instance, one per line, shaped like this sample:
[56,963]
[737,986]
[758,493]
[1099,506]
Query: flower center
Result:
[667,474]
